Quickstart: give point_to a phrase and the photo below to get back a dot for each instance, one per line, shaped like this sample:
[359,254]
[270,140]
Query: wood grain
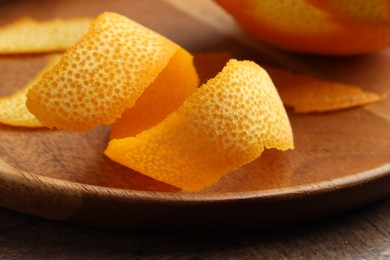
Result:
[341,159]
[360,234]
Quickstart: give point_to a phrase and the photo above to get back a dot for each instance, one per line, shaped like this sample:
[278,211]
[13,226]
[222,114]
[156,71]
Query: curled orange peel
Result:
[172,86]
[13,110]
[224,124]
[163,126]
[102,75]
[307,94]
[32,36]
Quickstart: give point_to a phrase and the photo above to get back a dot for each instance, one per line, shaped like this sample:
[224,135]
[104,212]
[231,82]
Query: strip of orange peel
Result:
[307,94]
[13,110]
[223,125]
[103,74]
[33,36]
[121,69]
[172,86]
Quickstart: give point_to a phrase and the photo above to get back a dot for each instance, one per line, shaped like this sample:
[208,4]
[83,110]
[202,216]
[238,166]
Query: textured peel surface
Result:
[172,86]
[100,76]
[124,74]
[33,36]
[13,110]
[224,124]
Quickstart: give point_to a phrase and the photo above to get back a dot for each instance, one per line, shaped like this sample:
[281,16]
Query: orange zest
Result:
[32,36]
[172,86]
[308,94]
[102,75]
[163,125]
[13,110]
[224,124]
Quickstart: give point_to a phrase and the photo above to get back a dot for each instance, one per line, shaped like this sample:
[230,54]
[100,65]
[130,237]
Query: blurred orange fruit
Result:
[332,27]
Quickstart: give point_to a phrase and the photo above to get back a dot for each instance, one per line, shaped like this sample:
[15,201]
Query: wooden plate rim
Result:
[294,191]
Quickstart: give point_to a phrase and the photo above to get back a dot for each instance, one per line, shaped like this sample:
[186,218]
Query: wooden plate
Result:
[341,160]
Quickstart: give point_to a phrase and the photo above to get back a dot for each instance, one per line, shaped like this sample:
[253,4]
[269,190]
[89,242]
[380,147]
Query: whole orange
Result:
[334,27]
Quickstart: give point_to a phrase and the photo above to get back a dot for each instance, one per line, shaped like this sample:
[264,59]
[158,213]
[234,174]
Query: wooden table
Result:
[360,234]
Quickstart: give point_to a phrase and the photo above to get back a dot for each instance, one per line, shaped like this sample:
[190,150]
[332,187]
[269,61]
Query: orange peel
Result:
[163,125]
[172,86]
[13,110]
[32,36]
[224,124]
[100,76]
[307,94]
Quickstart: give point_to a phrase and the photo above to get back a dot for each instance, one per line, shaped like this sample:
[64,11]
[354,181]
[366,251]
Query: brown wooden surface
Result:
[341,159]
[360,234]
